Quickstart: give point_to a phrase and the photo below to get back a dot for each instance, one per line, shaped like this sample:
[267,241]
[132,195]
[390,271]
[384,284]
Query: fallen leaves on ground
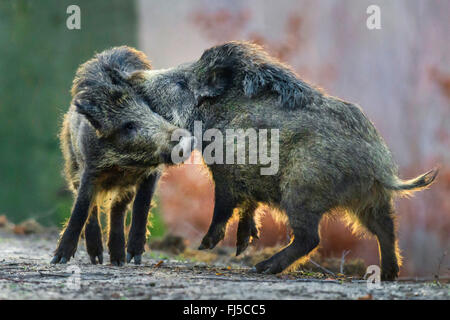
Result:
[159,264]
[29,226]
[3,221]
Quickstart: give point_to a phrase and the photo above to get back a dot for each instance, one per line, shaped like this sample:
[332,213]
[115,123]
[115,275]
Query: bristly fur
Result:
[331,156]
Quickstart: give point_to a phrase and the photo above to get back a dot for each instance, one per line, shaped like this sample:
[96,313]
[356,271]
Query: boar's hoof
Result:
[117,258]
[391,274]
[244,240]
[65,250]
[95,250]
[63,256]
[240,247]
[137,258]
[96,258]
[245,235]
[58,259]
[269,266]
[117,263]
[211,239]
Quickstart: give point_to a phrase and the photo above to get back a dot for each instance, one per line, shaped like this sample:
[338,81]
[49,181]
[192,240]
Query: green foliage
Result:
[38,60]
[158,256]
[157,228]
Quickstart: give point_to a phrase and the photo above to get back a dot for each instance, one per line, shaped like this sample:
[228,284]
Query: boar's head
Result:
[127,131]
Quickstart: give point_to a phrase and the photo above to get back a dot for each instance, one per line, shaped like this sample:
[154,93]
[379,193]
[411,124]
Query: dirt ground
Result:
[25,273]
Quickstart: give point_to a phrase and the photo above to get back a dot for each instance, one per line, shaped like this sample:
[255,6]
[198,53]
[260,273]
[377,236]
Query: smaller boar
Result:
[112,144]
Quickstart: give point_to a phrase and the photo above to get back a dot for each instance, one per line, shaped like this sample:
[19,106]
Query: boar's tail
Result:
[421,182]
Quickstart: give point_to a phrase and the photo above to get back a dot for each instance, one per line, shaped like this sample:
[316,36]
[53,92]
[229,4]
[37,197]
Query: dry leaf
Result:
[28,226]
[19,230]
[368,297]
[159,264]
[3,221]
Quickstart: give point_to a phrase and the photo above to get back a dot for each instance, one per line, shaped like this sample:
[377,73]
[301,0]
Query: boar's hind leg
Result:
[223,210]
[93,237]
[141,207]
[246,227]
[304,222]
[68,242]
[116,240]
[379,220]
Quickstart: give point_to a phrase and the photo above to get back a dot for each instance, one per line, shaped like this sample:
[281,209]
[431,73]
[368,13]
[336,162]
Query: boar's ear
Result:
[255,72]
[89,111]
[117,76]
[216,81]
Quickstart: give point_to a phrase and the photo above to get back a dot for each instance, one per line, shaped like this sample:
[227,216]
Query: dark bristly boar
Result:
[331,157]
[112,144]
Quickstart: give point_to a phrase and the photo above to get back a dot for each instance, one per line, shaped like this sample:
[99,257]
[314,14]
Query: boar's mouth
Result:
[205,100]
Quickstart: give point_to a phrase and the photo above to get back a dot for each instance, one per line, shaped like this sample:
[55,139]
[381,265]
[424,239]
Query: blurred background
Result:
[399,74]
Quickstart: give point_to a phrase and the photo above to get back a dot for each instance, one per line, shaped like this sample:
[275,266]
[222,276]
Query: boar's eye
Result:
[182,84]
[129,126]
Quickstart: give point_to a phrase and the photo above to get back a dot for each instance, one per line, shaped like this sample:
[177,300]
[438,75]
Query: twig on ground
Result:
[441,260]
[344,254]
[324,269]
[56,275]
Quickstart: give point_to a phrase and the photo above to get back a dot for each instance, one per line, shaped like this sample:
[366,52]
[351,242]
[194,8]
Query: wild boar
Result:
[112,145]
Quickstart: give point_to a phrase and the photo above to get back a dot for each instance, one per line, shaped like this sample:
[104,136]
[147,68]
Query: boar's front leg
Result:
[68,242]
[93,237]
[223,210]
[141,207]
[246,227]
